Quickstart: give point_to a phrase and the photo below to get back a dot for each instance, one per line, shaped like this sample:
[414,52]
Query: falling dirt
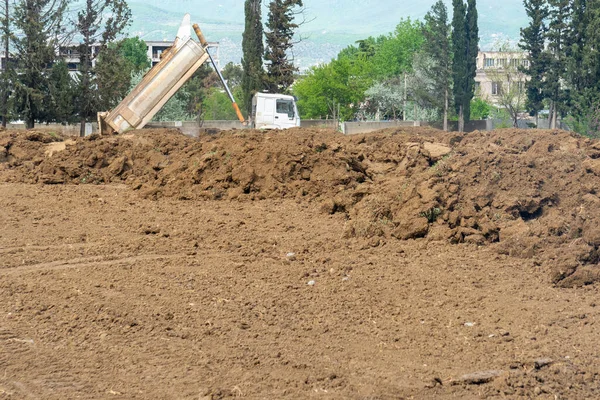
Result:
[302,264]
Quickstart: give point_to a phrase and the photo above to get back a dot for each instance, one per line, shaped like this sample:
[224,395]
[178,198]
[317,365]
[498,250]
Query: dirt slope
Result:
[300,264]
[104,295]
[529,193]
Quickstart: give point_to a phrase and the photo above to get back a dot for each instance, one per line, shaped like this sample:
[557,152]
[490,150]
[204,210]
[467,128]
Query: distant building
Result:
[70,53]
[497,71]
[156,48]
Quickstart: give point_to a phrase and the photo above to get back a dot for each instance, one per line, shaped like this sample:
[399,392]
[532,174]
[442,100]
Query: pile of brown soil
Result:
[233,165]
[531,193]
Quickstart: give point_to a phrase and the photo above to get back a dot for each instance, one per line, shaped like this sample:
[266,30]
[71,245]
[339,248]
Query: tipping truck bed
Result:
[177,65]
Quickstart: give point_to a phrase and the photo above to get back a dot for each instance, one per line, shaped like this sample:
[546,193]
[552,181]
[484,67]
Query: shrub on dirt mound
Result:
[529,193]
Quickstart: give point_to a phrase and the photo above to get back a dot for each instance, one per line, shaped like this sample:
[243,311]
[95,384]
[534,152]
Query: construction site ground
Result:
[405,264]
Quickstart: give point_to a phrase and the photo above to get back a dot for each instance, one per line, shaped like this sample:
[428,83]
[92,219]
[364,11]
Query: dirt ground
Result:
[305,264]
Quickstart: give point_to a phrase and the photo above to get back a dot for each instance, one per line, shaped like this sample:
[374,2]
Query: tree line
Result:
[430,64]
[423,70]
[426,70]
[36,83]
[562,40]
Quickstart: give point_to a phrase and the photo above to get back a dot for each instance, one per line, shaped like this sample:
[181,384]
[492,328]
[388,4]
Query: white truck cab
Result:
[274,111]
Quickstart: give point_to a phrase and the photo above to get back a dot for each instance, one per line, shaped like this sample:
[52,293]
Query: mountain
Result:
[330,24]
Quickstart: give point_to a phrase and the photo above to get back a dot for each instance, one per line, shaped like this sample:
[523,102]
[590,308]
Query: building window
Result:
[525,63]
[501,62]
[515,62]
[489,62]
[521,86]
[496,88]
[477,87]
[157,51]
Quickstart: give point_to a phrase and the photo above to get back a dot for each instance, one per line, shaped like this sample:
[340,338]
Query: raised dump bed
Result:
[176,66]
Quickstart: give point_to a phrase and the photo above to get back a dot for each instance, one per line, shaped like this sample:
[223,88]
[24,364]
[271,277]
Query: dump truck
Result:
[177,65]
[274,111]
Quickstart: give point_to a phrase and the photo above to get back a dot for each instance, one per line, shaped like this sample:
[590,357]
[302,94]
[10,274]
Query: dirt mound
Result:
[238,165]
[530,193]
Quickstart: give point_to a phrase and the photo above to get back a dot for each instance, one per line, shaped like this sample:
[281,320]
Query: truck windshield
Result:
[285,107]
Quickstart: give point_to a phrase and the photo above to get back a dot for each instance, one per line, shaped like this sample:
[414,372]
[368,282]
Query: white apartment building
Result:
[156,48]
[497,71]
[70,53]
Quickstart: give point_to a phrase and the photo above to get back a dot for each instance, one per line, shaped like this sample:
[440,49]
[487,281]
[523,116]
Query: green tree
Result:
[583,69]
[61,94]
[96,28]
[196,90]
[558,38]
[281,28]
[437,47]
[386,99]
[532,42]
[112,75]
[233,74]
[6,75]
[252,49]
[394,53]
[472,53]
[374,64]
[341,83]
[465,39]
[480,109]
[135,51]
[459,62]
[40,25]
[217,105]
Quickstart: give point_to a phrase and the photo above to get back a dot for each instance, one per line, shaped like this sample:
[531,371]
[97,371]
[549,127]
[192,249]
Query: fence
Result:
[65,130]
[192,128]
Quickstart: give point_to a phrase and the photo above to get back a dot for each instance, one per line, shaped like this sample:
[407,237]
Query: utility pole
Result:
[405,96]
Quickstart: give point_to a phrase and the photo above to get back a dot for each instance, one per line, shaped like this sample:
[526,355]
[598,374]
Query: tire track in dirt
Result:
[40,386]
[100,261]
[22,249]
[13,347]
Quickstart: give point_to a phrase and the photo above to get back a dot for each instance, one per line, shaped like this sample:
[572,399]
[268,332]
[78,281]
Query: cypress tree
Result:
[556,55]
[280,68]
[532,42]
[460,64]
[583,66]
[437,46]
[576,43]
[252,49]
[590,58]
[5,74]
[472,51]
[465,46]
